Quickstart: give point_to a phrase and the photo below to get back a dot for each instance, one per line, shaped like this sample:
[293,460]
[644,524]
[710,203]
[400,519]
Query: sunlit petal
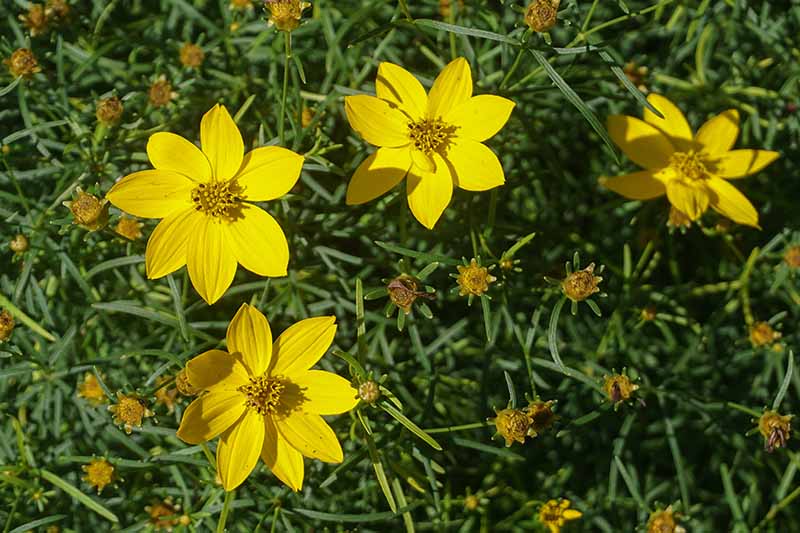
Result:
[312,436]
[209,260]
[170,152]
[395,84]
[269,172]
[209,415]
[644,144]
[480,117]
[257,241]
[719,134]
[637,186]
[691,199]
[674,123]
[732,203]
[285,461]
[377,121]
[239,448]
[167,247]
[216,370]
[475,166]
[429,193]
[452,87]
[325,393]
[378,174]
[741,163]
[303,344]
[152,193]
[221,142]
[249,334]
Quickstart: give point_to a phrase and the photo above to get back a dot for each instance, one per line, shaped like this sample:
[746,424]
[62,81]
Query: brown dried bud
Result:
[306,117]
[109,110]
[22,63]
[404,291]
[130,228]
[369,392]
[88,210]
[541,415]
[663,522]
[35,20]
[56,9]
[775,428]
[161,92]
[541,14]
[761,333]
[19,244]
[6,325]
[192,56]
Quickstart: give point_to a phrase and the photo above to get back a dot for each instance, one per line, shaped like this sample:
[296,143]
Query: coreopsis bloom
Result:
[555,513]
[775,428]
[22,63]
[191,55]
[99,473]
[664,521]
[540,15]
[581,284]
[762,333]
[541,416]
[6,325]
[88,211]
[204,198]
[109,110]
[263,400]
[130,228]
[435,140]
[285,15]
[90,390]
[129,411]
[473,279]
[369,392]
[618,388]
[512,424]
[692,169]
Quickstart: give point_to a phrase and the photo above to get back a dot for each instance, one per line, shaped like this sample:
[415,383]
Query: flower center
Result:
[688,165]
[130,410]
[263,394]
[218,199]
[428,135]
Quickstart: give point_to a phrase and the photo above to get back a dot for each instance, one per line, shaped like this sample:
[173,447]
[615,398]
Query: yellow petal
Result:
[674,123]
[452,87]
[691,199]
[325,393]
[239,448]
[173,153]
[216,370]
[480,117]
[249,335]
[312,436]
[303,344]
[209,415]
[257,242]
[476,167]
[571,514]
[740,163]
[719,134]
[642,185]
[209,260]
[429,193]
[221,142]
[424,162]
[152,193]
[268,173]
[376,120]
[644,144]
[166,248]
[397,85]
[378,174]
[285,461]
[732,203]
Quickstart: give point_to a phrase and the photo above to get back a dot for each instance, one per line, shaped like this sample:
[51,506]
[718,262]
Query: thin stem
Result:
[226,508]
[552,334]
[449,429]
[287,57]
[208,455]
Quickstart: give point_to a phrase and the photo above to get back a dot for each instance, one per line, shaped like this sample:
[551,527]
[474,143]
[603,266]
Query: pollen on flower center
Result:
[688,165]
[428,135]
[218,199]
[263,394]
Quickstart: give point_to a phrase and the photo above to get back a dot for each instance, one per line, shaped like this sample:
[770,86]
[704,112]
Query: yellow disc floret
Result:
[263,394]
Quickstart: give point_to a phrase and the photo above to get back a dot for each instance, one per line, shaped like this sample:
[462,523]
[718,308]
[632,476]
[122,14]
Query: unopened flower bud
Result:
[541,15]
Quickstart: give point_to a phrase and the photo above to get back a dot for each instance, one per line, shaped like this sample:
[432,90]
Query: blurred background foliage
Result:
[678,317]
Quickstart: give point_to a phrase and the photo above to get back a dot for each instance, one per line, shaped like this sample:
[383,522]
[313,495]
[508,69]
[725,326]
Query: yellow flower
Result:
[191,55]
[263,400]
[581,284]
[513,425]
[434,140]
[761,333]
[692,169]
[130,228]
[129,411]
[663,521]
[91,390]
[555,513]
[22,63]
[88,211]
[205,198]
[473,279]
[183,385]
[618,388]
[775,428]
[35,19]
[286,14]
[99,473]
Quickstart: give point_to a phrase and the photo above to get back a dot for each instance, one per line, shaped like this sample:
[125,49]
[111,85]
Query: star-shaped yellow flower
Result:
[204,197]
[693,169]
[263,400]
[435,140]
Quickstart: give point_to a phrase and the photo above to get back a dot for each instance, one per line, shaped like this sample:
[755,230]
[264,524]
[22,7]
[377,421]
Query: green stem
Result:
[208,455]
[552,333]
[226,508]
[17,313]
[286,59]
[449,429]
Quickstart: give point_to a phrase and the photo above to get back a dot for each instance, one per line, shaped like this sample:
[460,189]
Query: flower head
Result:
[183,385]
[792,257]
[88,211]
[263,400]
[512,424]
[581,284]
[241,5]
[109,110]
[6,325]
[637,75]
[129,411]
[22,63]
[286,14]
[35,19]
[204,198]
[761,333]
[618,388]
[775,428]
[161,93]
[692,169]
[404,291]
[164,514]
[555,513]
[56,10]
[19,244]
[541,416]
[90,390]
[433,140]
[369,392]
[130,228]
[99,473]
[191,55]
[473,279]
[541,15]
[663,521]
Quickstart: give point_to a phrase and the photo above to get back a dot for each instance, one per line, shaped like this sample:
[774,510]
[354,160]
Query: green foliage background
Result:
[683,442]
